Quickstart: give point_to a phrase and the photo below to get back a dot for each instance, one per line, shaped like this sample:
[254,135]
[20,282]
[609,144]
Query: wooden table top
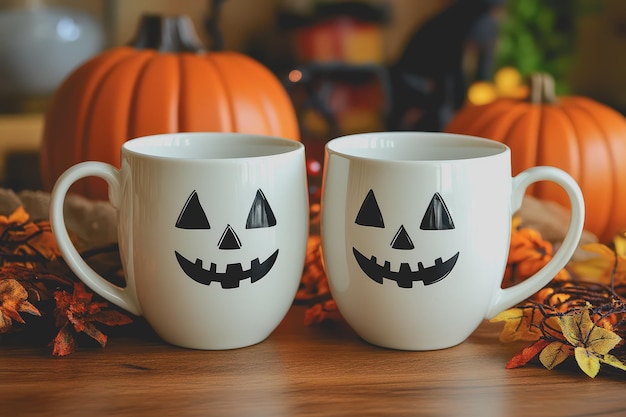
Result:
[322,370]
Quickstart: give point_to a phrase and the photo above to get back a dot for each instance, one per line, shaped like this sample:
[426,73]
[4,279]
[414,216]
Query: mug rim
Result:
[344,145]
[147,146]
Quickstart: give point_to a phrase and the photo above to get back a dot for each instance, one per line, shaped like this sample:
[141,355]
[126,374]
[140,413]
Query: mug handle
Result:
[507,298]
[122,297]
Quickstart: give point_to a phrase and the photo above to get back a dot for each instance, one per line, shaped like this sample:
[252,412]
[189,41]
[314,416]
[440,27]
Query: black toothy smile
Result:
[405,277]
[232,276]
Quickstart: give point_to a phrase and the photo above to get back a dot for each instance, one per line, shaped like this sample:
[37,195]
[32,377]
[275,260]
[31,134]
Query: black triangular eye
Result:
[437,216]
[369,213]
[192,215]
[261,214]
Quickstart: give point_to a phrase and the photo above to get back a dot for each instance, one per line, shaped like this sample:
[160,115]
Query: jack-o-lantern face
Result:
[436,218]
[193,216]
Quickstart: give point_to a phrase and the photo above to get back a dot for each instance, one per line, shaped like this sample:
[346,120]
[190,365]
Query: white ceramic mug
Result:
[415,234]
[212,231]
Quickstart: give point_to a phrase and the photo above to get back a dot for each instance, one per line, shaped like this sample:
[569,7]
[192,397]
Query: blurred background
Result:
[348,66]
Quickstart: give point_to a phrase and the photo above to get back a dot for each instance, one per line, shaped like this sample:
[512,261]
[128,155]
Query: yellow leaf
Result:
[516,223]
[601,268]
[552,327]
[588,362]
[580,330]
[600,249]
[554,354]
[620,244]
[576,327]
[517,325]
[19,216]
[614,362]
[597,268]
[601,340]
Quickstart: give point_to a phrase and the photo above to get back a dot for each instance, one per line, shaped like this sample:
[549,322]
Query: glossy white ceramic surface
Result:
[212,231]
[415,234]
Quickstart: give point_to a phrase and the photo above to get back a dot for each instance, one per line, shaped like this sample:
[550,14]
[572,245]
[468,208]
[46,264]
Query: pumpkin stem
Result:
[542,88]
[167,34]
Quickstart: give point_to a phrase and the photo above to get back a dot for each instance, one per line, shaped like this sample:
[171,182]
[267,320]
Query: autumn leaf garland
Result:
[35,281]
[578,333]
[580,314]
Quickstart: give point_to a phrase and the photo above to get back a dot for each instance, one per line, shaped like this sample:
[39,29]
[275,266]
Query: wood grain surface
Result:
[323,370]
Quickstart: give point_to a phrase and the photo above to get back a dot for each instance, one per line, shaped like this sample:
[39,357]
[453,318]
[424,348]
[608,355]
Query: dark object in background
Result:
[338,81]
[428,82]
[373,13]
[345,32]
[22,171]
[211,24]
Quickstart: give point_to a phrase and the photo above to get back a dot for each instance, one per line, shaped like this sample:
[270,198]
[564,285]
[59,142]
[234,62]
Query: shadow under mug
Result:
[212,231]
[415,231]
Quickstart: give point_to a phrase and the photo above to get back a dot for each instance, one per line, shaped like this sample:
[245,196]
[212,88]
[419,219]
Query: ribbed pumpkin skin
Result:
[125,93]
[577,134]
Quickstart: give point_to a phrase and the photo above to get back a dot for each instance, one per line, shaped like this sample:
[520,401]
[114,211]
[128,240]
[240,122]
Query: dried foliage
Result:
[580,314]
[36,285]
[314,291]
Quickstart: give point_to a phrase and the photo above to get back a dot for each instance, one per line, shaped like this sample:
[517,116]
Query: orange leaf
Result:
[44,242]
[518,325]
[19,216]
[320,312]
[528,253]
[13,300]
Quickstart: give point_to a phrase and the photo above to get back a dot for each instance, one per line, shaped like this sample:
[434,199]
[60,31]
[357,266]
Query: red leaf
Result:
[64,343]
[526,354]
[77,313]
[90,330]
[112,318]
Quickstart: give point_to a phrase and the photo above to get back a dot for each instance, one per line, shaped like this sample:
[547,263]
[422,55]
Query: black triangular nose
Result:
[402,240]
[229,239]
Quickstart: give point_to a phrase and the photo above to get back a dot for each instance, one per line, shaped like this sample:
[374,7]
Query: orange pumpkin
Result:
[585,138]
[163,82]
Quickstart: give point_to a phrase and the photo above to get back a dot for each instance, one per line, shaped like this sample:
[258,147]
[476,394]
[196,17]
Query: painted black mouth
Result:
[405,276]
[233,275]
